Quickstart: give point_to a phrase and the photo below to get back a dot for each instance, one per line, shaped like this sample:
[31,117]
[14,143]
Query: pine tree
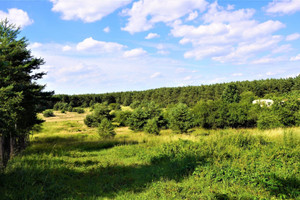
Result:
[20,95]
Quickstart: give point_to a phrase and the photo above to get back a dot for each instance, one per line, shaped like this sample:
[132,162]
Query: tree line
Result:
[189,95]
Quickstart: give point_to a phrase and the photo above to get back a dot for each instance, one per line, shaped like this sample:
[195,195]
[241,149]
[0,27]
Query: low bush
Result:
[106,129]
[48,113]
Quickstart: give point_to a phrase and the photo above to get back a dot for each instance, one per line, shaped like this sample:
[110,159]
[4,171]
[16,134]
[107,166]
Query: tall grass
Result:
[67,160]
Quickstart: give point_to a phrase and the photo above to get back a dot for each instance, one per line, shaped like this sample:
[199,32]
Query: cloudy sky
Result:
[97,46]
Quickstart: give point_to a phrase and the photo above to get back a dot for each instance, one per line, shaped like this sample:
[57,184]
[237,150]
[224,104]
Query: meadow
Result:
[68,160]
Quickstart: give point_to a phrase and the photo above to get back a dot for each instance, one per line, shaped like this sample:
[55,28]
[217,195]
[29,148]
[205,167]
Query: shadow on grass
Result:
[64,144]
[282,188]
[58,183]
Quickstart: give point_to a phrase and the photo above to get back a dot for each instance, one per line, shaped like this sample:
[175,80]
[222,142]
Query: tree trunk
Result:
[12,146]
[1,153]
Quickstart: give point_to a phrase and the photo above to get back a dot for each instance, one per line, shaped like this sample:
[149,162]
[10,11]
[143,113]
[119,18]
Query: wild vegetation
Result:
[195,142]
[68,160]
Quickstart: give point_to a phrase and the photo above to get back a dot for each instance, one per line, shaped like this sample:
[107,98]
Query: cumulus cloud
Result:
[134,53]
[66,48]
[267,60]
[283,7]
[16,16]
[106,29]
[192,16]
[87,10]
[152,35]
[91,45]
[228,35]
[292,37]
[144,14]
[35,45]
[296,58]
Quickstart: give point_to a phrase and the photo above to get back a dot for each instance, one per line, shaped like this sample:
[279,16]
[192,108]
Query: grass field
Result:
[67,160]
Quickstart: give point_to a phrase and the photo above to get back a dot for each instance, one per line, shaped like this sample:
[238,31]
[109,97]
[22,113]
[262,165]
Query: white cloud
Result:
[134,53]
[282,49]
[217,13]
[283,6]
[292,37]
[155,75]
[163,52]
[35,45]
[237,74]
[192,16]
[66,48]
[268,60]
[228,36]
[106,29]
[144,14]
[87,10]
[152,35]
[296,58]
[91,45]
[17,17]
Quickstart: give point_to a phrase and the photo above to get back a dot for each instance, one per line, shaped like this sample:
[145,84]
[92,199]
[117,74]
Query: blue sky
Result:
[102,46]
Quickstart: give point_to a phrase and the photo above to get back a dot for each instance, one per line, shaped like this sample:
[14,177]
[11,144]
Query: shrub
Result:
[48,113]
[79,110]
[63,111]
[90,121]
[180,118]
[70,109]
[152,126]
[268,120]
[106,129]
[122,117]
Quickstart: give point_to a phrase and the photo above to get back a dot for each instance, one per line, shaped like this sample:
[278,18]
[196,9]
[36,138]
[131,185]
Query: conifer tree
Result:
[20,95]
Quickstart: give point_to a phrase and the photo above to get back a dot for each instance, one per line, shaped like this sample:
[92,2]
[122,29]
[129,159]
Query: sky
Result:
[99,46]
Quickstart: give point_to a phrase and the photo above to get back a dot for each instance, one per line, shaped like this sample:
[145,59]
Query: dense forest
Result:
[227,105]
[189,95]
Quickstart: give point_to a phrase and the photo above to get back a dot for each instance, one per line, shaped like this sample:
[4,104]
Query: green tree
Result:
[152,126]
[106,129]
[20,94]
[231,93]
[180,118]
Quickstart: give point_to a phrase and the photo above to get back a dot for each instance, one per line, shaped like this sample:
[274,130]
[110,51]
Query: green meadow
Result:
[68,160]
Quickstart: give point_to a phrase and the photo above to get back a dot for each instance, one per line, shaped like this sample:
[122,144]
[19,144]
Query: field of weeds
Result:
[67,160]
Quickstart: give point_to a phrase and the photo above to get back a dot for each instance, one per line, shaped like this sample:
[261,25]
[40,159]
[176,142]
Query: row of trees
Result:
[231,110]
[189,95]
[20,96]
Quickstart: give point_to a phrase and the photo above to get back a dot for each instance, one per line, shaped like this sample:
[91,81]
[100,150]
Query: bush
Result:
[79,110]
[48,113]
[63,111]
[180,118]
[152,126]
[268,120]
[90,121]
[106,129]
[122,117]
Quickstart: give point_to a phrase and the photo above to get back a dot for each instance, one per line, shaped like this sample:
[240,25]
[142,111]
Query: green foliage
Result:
[100,112]
[180,118]
[20,96]
[106,129]
[152,126]
[61,106]
[268,120]
[122,117]
[114,106]
[78,110]
[231,94]
[141,115]
[48,113]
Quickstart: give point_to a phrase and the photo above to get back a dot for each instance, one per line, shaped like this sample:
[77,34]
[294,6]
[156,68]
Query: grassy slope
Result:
[67,160]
